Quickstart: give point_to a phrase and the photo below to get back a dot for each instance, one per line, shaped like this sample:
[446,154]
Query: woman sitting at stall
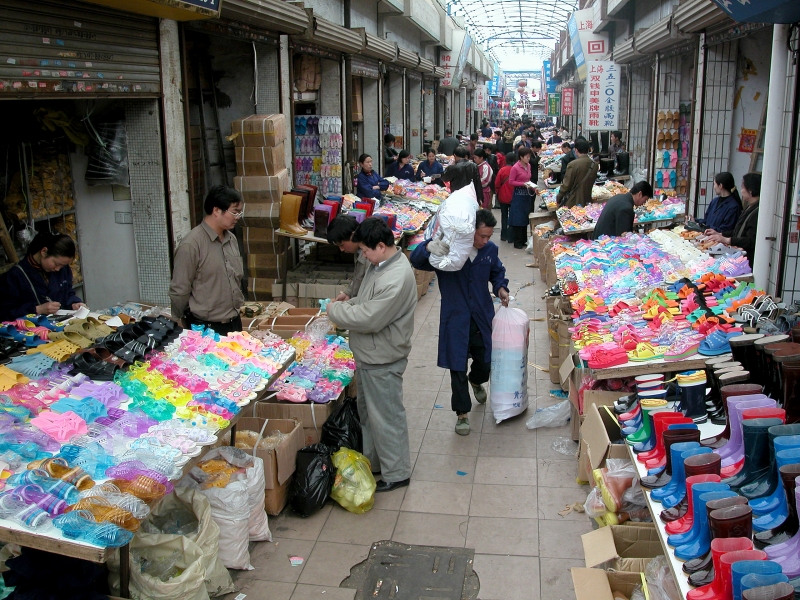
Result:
[743,233]
[430,168]
[40,284]
[369,183]
[400,168]
[725,208]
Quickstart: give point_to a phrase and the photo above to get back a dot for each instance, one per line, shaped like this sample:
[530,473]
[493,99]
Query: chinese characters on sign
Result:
[480,98]
[602,95]
[553,105]
[586,44]
[567,101]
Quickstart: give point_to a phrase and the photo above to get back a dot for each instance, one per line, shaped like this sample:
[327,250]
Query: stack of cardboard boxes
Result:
[262,178]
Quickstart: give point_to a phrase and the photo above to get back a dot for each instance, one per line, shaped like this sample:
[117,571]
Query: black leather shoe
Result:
[388,486]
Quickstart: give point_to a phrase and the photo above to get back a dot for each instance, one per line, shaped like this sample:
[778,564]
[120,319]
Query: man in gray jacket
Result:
[381,322]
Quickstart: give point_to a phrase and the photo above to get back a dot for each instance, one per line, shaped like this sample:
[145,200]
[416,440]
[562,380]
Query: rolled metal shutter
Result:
[272,15]
[406,58]
[659,36]
[625,52]
[330,35]
[376,47]
[425,65]
[694,16]
[51,49]
[439,72]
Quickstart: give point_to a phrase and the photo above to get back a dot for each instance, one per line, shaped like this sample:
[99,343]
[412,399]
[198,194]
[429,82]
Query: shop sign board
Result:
[553,105]
[602,95]
[449,60]
[567,101]
[586,44]
[763,11]
[179,10]
[361,68]
[550,84]
[480,98]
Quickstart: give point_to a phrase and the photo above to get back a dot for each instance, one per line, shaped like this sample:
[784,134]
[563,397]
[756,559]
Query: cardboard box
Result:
[622,547]
[263,240]
[263,190]
[261,215]
[260,289]
[268,266]
[596,584]
[259,130]
[311,416]
[286,326]
[596,397]
[260,160]
[279,463]
[601,432]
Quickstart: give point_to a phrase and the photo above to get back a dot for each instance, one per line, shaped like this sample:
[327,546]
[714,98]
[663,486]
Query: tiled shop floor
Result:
[498,490]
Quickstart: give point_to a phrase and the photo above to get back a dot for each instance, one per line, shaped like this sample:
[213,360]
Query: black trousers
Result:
[234,324]
[460,400]
[520,236]
[504,229]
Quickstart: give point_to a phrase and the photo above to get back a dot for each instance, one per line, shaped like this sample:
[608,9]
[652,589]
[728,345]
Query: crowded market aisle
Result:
[498,490]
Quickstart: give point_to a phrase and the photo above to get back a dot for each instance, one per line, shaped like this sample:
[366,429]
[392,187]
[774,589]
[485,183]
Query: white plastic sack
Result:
[509,381]
[231,512]
[556,415]
[258,526]
[456,227]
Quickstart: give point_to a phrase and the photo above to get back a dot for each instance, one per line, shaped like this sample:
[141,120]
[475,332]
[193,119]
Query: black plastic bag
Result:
[343,429]
[313,479]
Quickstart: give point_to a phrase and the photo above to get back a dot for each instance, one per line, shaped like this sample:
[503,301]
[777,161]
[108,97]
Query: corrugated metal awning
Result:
[272,15]
[330,35]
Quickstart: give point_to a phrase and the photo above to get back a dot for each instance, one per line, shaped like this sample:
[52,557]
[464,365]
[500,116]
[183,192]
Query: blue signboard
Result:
[761,11]
[549,83]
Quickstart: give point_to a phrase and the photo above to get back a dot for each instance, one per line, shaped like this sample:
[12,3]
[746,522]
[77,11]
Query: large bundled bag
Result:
[313,479]
[201,546]
[509,381]
[257,524]
[354,485]
[455,225]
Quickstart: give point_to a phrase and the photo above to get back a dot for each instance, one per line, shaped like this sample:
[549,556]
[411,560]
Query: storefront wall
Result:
[414,129]
[640,114]
[372,127]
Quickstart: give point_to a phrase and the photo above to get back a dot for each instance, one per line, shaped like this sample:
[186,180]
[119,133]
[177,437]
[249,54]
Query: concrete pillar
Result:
[175,131]
[372,120]
[773,134]
[284,68]
[330,90]
[396,102]
[414,143]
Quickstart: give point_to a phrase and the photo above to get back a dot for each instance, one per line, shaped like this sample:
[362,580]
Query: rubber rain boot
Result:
[670,438]
[760,580]
[654,465]
[290,212]
[755,433]
[732,453]
[747,567]
[719,548]
[728,560]
[774,510]
[791,391]
[744,350]
[677,486]
[696,542]
[739,389]
[700,465]
[788,528]
[789,557]
[661,421]
[692,385]
[643,433]
[776,591]
[701,567]
[768,485]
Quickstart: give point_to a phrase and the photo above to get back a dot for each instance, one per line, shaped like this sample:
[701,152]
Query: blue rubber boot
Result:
[778,514]
[750,567]
[678,493]
[715,491]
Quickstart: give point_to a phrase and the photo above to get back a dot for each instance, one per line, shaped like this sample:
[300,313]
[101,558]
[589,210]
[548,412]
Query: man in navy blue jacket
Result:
[465,326]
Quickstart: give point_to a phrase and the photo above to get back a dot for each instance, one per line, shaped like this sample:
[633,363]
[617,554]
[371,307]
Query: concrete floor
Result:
[505,507]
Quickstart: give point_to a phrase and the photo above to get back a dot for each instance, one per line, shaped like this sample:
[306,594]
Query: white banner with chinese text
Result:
[602,95]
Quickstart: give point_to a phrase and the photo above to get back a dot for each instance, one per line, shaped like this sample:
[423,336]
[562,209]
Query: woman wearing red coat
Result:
[504,192]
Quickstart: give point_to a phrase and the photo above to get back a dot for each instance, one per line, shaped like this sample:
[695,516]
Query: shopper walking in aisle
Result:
[368,183]
[381,322]
[508,139]
[485,174]
[743,234]
[505,192]
[340,234]
[389,153]
[430,168]
[522,200]
[465,323]
[725,208]
[618,212]
[472,145]
[486,131]
[41,283]
[206,286]
[576,188]
[400,168]
[463,168]
[448,144]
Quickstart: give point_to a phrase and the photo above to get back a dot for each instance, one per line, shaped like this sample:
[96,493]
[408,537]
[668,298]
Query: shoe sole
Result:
[462,431]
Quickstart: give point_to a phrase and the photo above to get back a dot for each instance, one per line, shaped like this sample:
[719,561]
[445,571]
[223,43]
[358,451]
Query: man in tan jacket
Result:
[579,178]
[381,323]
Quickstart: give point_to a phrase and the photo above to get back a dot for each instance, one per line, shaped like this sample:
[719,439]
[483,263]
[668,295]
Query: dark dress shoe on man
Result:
[388,486]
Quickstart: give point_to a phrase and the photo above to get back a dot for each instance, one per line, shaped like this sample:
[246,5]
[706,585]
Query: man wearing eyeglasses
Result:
[206,286]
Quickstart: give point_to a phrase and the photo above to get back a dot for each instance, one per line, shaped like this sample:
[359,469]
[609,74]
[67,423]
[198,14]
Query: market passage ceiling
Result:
[507,29]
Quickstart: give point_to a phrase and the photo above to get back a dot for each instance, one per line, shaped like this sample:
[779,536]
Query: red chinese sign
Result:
[567,101]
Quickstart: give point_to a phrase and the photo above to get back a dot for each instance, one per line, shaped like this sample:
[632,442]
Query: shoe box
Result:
[263,240]
[260,161]
[266,189]
[311,416]
[279,463]
[596,584]
[268,266]
[259,131]
[628,547]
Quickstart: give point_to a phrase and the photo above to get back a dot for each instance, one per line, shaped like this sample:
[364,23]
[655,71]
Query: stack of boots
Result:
[715,406]
[732,453]
[773,385]
[739,389]
[720,547]
[649,399]
[771,510]
[672,494]
[767,486]
[692,386]
[732,377]
[777,591]
[744,350]
[789,461]
[761,356]
[640,430]
[695,543]
[679,518]
[784,532]
[643,383]
[768,583]
[657,463]
[702,566]
[671,437]
[755,433]
[290,211]
[661,421]
[743,568]
[787,554]
[728,560]
[684,523]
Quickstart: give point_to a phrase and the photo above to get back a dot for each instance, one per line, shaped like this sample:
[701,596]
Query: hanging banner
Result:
[480,98]
[602,95]
[763,11]
[553,105]
[549,83]
[586,44]
[567,101]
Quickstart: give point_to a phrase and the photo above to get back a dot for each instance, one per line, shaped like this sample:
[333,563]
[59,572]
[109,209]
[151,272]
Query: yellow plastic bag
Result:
[354,485]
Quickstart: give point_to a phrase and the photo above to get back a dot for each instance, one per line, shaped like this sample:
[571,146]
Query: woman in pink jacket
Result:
[521,201]
[485,173]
